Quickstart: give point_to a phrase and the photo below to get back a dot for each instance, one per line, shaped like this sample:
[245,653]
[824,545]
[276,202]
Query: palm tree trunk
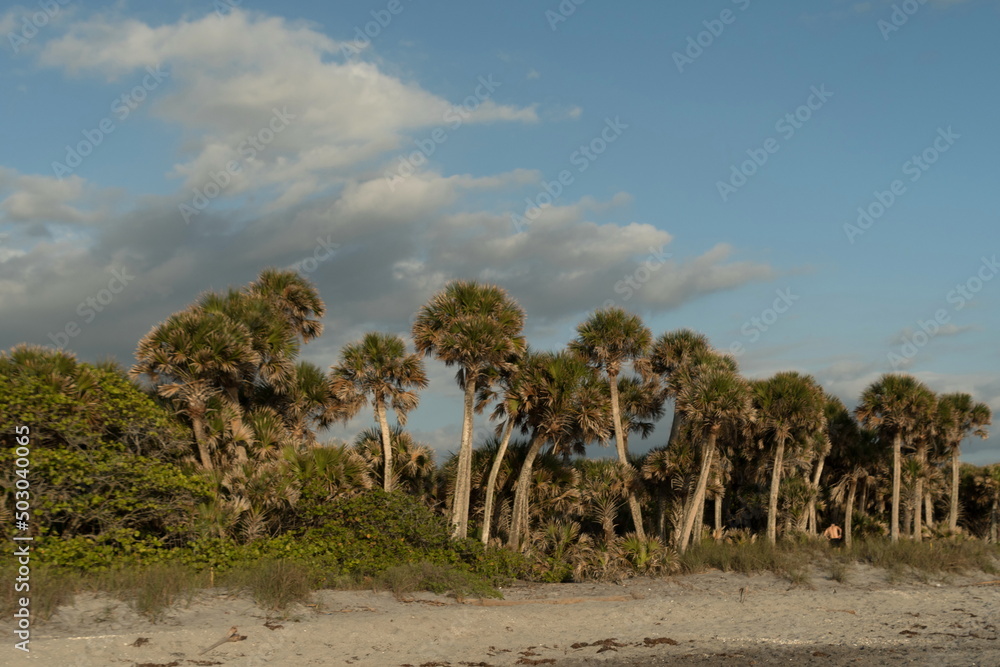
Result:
[953,515]
[198,426]
[675,426]
[616,416]
[929,509]
[383,423]
[772,500]
[699,492]
[918,494]
[662,521]
[849,512]
[815,494]
[491,483]
[522,496]
[718,516]
[897,448]
[463,477]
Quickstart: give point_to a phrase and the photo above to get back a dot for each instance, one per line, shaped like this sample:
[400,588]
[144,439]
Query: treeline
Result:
[208,445]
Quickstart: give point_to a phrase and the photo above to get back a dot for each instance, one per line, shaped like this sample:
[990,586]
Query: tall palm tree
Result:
[712,400]
[922,439]
[895,405]
[476,327]
[515,397]
[569,410]
[378,369]
[959,416]
[790,408]
[673,355]
[610,338]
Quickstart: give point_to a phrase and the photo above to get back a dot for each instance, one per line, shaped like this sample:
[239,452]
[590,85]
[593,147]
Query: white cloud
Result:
[227,78]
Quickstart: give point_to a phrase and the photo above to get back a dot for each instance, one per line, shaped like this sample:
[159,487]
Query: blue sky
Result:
[384,168]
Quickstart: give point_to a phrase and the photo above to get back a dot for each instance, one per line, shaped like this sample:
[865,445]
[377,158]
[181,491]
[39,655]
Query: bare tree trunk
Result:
[811,512]
[616,416]
[929,509]
[463,478]
[383,423]
[718,516]
[897,447]
[491,484]
[675,426]
[198,425]
[662,521]
[772,500]
[849,513]
[699,493]
[953,514]
[522,496]
[918,494]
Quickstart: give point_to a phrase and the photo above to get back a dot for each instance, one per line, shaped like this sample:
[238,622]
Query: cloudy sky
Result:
[810,184]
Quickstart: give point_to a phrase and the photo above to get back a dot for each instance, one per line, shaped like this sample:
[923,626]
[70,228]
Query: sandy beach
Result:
[707,619]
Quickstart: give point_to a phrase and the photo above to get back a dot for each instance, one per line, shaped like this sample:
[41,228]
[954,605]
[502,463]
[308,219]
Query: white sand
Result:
[695,619]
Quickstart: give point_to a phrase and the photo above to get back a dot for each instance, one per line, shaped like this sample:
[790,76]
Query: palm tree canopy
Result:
[565,405]
[715,397]
[896,404]
[611,337]
[470,324]
[678,349]
[295,298]
[959,415]
[378,368]
[789,404]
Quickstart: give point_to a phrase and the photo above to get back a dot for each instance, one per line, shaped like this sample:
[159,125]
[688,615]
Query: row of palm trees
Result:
[230,365]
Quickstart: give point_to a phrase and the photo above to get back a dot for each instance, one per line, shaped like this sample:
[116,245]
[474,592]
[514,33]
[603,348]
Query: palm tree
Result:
[193,356]
[568,410]
[790,408]
[958,417]
[712,399]
[274,343]
[379,370]
[476,327]
[610,338]
[515,398]
[412,462]
[895,405]
[295,298]
[922,438]
[673,356]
